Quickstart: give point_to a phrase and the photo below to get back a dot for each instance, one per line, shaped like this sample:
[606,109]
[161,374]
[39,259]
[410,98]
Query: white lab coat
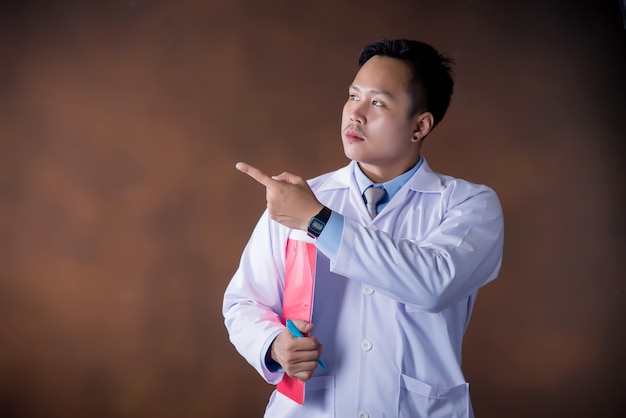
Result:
[390,310]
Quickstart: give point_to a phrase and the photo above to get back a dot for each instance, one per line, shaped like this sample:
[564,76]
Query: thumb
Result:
[287,178]
[304,326]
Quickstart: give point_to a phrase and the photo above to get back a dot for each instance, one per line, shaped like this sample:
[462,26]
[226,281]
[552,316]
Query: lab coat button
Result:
[366,345]
[364,414]
[367,290]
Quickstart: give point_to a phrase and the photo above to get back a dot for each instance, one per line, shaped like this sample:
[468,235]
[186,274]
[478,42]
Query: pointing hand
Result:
[290,200]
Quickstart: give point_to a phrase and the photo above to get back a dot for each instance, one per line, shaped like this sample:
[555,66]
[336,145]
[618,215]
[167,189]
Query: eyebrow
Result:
[375,91]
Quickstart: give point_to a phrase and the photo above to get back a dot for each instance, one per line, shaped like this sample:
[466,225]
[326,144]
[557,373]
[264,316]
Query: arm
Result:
[456,257]
[253,305]
[253,298]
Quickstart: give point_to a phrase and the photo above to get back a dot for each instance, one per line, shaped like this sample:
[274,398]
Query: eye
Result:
[353,97]
[378,103]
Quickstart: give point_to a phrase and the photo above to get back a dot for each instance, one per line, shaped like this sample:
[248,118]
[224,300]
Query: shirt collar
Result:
[392,186]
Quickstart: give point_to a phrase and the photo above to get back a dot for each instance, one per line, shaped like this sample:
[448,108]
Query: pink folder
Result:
[297,300]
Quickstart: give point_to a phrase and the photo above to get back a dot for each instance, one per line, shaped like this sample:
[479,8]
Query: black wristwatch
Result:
[318,222]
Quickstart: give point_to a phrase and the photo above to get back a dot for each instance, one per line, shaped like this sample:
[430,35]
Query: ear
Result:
[423,123]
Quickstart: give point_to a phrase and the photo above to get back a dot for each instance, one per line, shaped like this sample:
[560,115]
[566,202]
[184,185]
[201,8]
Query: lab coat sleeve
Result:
[253,298]
[458,255]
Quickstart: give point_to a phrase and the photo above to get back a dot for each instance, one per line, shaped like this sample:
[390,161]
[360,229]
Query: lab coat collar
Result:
[424,180]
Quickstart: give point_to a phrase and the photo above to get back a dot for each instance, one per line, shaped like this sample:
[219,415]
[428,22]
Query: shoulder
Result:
[332,180]
[453,190]
[426,179]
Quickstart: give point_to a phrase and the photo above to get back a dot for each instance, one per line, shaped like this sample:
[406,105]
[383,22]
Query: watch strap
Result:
[318,222]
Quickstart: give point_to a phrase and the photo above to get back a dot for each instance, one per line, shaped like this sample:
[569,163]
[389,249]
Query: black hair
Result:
[431,83]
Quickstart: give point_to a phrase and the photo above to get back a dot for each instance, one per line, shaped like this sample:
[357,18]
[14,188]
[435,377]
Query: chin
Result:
[359,158]
[350,153]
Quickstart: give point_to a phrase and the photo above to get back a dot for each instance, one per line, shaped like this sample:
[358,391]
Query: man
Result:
[393,281]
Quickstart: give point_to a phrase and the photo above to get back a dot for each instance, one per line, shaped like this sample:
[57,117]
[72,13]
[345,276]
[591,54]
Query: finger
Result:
[306,344]
[288,178]
[255,173]
[303,375]
[304,326]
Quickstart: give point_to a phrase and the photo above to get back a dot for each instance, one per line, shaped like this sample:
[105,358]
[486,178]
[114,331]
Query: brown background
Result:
[122,217]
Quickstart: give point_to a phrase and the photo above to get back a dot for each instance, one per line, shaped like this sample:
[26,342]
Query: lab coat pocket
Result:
[319,400]
[319,396]
[417,399]
[413,308]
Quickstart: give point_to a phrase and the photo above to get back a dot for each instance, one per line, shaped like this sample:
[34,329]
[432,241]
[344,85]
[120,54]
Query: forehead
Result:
[383,74]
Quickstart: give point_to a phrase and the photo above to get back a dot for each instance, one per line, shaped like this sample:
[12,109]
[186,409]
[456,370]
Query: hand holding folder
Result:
[297,334]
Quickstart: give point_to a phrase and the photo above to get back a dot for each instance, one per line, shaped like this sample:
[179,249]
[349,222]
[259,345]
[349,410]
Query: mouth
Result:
[352,135]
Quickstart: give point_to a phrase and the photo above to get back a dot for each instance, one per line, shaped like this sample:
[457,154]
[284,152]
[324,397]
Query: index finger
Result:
[255,173]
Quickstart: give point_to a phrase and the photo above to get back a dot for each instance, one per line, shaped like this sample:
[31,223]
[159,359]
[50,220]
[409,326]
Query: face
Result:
[376,128]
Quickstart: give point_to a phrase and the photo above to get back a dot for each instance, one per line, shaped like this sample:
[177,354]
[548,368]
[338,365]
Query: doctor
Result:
[400,252]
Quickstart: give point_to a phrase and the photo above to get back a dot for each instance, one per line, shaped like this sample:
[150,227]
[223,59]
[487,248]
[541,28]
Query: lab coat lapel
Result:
[340,192]
[423,181]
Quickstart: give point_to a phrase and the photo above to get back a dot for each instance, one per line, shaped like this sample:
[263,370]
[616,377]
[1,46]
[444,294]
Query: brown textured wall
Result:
[122,217]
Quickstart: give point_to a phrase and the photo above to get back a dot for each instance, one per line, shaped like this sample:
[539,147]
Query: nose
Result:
[356,111]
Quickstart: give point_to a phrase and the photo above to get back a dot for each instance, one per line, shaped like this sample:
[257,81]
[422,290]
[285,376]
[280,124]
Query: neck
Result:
[380,174]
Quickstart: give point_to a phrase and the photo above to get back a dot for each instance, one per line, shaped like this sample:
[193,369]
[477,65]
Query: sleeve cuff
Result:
[330,238]
[271,369]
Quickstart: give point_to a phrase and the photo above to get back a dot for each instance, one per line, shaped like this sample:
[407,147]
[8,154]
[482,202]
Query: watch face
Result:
[316,225]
